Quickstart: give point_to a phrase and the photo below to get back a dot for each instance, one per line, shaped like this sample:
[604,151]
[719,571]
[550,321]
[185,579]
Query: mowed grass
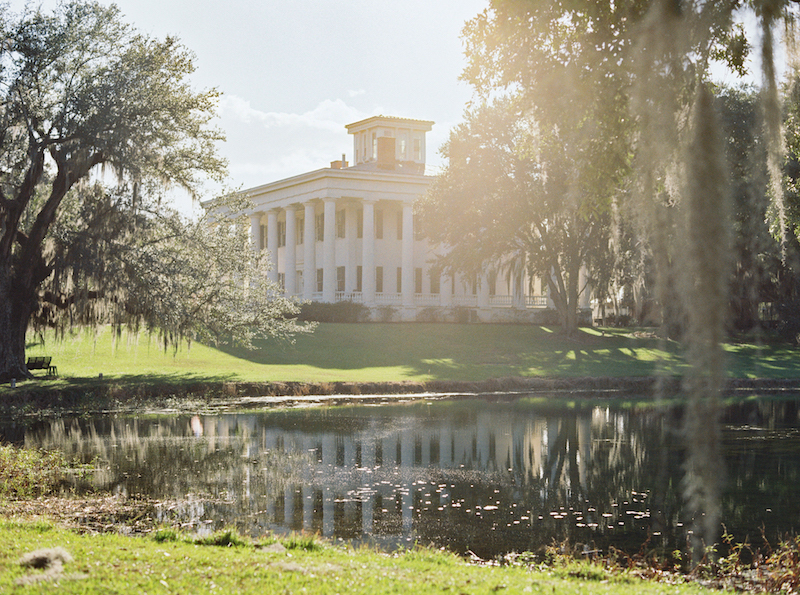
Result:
[399,352]
[111,563]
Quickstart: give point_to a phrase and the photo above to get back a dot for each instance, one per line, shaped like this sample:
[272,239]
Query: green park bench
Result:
[42,363]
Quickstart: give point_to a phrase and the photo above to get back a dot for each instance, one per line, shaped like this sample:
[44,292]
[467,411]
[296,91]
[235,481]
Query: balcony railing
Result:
[465,300]
[427,299]
[501,301]
[536,301]
[384,298]
[349,296]
[435,299]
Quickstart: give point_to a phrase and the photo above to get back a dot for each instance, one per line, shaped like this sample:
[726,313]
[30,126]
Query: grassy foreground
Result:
[400,352]
[111,563]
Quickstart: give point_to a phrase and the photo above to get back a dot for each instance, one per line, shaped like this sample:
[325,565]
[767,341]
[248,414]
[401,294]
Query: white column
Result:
[368,254]
[408,255]
[272,244]
[586,291]
[309,253]
[483,290]
[255,230]
[290,259]
[445,290]
[329,252]
[351,231]
[517,300]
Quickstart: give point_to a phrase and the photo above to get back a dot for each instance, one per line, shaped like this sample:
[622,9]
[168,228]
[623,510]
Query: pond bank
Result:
[98,396]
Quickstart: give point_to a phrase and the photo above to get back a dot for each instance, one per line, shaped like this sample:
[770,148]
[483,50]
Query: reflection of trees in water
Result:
[163,458]
[486,477]
[584,476]
[762,442]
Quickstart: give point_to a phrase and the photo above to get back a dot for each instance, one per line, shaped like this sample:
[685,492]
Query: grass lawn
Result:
[111,563]
[396,352]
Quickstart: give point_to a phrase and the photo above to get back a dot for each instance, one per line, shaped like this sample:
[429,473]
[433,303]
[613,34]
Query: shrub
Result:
[165,534]
[304,541]
[28,473]
[462,314]
[346,311]
[225,538]
[386,313]
[431,314]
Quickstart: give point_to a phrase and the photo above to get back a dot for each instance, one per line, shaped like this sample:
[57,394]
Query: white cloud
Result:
[330,114]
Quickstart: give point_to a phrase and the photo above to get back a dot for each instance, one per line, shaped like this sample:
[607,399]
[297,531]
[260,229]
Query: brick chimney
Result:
[339,164]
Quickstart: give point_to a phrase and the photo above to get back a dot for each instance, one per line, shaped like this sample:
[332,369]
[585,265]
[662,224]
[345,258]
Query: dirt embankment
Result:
[106,396]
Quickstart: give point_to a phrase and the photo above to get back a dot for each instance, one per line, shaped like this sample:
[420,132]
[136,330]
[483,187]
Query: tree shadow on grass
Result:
[763,361]
[471,352]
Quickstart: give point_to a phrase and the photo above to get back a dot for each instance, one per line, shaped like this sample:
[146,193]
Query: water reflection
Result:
[482,476]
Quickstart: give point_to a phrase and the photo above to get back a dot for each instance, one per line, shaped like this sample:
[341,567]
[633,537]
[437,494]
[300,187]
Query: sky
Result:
[294,72]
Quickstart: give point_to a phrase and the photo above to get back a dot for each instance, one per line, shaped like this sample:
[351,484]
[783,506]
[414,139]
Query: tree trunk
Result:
[15,311]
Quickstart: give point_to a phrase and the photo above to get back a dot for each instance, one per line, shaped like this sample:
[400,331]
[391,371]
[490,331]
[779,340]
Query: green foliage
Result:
[344,311]
[224,538]
[27,473]
[386,313]
[513,193]
[164,534]
[194,280]
[307,542]
[80,90]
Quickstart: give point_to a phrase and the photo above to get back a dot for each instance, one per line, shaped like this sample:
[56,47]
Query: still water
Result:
[482,475]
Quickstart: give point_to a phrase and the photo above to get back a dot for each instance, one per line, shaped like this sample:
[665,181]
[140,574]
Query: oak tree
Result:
[82,92]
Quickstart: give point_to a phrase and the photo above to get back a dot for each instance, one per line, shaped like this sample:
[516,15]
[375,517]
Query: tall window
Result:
[340,223]
[399,225]
[492,283]
[417,150]
[417,280]
[340,278]
[378,224]
[299,282]
[281,233]
[399,279]
[299,230]
[319,226]
[319,280]
[434,282]
[379,279]
[262,236]
[360,223]
[282,280]
[359,275]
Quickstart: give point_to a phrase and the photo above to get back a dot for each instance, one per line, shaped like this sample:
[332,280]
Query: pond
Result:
[482,475]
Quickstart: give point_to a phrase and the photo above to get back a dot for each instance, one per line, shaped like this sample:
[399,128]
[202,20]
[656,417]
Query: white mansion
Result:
[347,233]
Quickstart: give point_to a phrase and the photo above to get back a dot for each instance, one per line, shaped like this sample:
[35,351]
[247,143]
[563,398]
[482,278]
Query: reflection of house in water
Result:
[490,476]
[376,480]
